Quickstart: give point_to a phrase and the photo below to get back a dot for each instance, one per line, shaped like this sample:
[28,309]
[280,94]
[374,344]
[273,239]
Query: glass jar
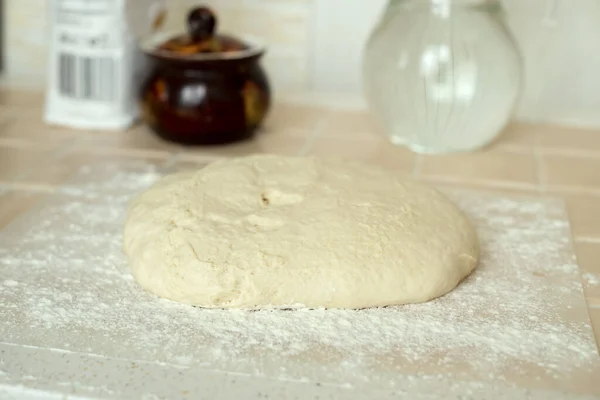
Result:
[442,76]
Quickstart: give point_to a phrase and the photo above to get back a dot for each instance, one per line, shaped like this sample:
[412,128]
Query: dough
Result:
[283,232]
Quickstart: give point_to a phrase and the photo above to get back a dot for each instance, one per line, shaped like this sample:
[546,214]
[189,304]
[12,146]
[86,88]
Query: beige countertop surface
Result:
[527,159]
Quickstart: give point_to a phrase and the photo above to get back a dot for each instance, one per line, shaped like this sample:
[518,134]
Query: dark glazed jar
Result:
[204,88]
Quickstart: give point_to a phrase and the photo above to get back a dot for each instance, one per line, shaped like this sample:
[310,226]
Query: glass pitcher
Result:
[442,76]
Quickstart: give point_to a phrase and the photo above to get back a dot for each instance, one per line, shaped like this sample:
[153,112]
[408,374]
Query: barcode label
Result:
[87,78]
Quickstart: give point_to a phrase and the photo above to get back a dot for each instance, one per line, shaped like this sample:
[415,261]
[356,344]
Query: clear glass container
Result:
[442,76]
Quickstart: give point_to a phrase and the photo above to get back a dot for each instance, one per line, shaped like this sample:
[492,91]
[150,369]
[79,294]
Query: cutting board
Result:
[73,320]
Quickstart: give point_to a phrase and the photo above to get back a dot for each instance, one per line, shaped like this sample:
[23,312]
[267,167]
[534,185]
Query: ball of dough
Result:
[283,232]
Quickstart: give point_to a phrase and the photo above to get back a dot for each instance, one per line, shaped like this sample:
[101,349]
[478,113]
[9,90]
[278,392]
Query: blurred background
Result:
[316,45]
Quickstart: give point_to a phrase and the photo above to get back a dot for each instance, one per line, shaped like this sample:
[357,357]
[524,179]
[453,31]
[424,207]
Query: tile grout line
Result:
[570,153]
[564,189]
[484,184]
[29,187]
[132,153]
[539,168]
[585,239]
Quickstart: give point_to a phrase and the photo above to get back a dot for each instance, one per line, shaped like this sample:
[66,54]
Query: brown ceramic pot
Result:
[204,88]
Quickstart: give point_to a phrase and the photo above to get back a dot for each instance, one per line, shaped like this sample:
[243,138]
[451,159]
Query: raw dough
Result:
[280,232]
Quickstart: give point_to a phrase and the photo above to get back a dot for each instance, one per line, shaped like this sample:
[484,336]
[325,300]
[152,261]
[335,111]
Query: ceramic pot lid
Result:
[194,38]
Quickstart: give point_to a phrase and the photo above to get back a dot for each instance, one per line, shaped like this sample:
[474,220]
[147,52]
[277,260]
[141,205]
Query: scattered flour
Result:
[521,311]
[591,279]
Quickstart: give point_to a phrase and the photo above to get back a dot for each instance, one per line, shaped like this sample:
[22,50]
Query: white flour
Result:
[65,285]
[591,279]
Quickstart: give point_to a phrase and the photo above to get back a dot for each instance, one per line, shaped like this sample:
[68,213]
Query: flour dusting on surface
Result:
[66,285]
[591,279]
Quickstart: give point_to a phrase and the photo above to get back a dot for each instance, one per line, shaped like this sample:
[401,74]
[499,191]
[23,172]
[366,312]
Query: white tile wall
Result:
[316,45]
[560,40]
[25,40]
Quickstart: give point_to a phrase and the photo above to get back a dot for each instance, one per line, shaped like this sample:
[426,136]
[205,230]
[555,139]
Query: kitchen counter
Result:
[533,160]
